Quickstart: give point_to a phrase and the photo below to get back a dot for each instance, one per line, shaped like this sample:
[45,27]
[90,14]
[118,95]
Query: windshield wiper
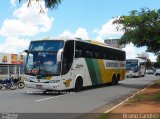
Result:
[39,64]
[36,64]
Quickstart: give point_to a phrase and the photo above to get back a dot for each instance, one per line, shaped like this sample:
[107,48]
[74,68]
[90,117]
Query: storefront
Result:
[11,63]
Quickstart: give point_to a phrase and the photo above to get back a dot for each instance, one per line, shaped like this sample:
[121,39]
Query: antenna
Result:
[47,38]
[79,38]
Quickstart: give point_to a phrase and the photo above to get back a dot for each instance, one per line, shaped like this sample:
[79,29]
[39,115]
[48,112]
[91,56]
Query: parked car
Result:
[150,71]
[157,72]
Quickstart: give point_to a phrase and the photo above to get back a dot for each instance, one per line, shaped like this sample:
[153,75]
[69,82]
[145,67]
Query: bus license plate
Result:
[39,86]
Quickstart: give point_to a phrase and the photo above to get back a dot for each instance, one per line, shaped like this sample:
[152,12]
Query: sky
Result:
[87,19]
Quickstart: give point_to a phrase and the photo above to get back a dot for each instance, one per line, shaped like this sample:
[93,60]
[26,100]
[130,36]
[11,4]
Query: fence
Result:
[13,69]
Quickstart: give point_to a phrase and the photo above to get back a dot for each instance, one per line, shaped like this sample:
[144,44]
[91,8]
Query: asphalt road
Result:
[89,100]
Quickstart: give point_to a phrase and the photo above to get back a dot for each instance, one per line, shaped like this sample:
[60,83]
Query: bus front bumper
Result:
[132,74]
[45,86]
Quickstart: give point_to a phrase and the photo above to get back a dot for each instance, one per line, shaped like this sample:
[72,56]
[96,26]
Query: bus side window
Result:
[77,54]
[83,53]
[88,54]
[104,53]
[67,56]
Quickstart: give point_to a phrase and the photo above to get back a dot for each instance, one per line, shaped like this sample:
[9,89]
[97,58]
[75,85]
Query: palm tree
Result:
[51,4]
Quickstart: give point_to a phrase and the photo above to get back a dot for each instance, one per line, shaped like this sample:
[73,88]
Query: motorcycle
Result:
[18,81]
[8,83]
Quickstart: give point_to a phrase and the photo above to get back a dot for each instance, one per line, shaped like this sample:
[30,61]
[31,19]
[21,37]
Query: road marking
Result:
[128,98]
[49,98]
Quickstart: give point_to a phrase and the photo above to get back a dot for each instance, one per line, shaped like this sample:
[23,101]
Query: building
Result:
[11,63]
[113,43]
[144,56]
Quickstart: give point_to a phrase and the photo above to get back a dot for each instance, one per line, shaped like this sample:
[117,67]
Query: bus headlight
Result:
[54,81]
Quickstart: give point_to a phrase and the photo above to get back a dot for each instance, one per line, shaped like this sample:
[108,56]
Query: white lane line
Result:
[49,98]
[128,98]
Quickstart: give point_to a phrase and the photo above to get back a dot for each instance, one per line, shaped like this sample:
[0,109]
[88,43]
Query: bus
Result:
[61,64]
[135,67]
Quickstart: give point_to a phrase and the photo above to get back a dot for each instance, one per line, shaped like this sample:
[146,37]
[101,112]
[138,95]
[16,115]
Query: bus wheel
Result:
[117,79]
[114,80]
[78,84]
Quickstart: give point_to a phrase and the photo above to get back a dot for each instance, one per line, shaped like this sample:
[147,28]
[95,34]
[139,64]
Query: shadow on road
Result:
[135,86]
[56,93]
[48,93]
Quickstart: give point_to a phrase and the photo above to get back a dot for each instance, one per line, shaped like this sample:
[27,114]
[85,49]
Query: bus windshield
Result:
[42,63]
[45,45]
[131,65]
[42,58]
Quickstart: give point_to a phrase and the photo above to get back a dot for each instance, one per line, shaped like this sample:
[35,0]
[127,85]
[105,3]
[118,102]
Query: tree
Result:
[157,64]
[158,58]
[141,28]
[51,4]
[148,64]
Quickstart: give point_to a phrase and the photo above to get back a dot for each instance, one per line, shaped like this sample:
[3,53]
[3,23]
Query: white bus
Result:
[72,64]
[135,67]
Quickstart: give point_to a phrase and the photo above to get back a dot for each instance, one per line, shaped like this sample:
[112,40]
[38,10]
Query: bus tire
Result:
[143,75]
[117,79]
[78,84]
[113,80]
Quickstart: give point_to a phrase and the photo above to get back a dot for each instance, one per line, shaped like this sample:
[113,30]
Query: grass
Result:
[156,97]
[138,98]
[156,84]
[142,97]
[104,116]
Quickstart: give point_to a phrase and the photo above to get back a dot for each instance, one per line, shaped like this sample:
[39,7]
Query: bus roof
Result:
[139,60]
[78,39]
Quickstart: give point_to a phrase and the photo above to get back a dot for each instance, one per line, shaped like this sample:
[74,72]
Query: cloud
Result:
[14,44]
[79,33]
[130,51]
[66,34]
[152,57]
[99,39]
[16,27]
[13,2]
[108,30]
[27,22]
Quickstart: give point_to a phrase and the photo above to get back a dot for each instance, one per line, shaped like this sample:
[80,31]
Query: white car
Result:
[157,72]
[150,71]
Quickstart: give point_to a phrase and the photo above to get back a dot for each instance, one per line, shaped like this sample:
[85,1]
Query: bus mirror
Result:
[39,77]
[26,51]
[59,54]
